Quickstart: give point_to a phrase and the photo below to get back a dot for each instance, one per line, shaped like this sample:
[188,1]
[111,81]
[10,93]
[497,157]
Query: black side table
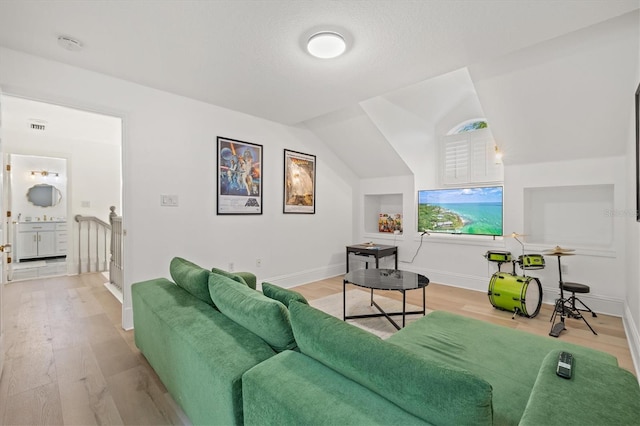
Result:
[376,251]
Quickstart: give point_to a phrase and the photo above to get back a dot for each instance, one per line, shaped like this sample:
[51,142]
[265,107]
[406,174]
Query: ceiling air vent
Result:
[37,124]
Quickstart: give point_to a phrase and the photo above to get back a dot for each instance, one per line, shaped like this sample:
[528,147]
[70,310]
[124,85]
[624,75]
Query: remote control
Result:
[565,364]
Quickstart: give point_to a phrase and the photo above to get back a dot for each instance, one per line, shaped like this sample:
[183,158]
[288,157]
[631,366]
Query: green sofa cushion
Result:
[231,275]
[473,345]
[191,277]
[265,317]
[596,394]
[280,294]
[432,391]
[292,389]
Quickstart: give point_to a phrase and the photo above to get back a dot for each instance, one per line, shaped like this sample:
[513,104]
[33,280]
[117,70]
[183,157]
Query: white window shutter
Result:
[455,161]
[484,168]
[469,158]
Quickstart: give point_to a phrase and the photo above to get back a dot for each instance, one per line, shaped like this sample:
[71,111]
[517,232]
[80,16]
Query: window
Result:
[468,155]
[469,126]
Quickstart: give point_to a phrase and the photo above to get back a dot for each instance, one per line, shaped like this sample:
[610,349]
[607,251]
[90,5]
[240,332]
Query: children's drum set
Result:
[521,295]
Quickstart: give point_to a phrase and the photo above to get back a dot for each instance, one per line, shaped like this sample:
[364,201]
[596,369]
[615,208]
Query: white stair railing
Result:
[116,265]
[93,241]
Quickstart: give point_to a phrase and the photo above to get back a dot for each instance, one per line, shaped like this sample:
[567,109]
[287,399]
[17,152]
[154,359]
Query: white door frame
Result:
[122,115]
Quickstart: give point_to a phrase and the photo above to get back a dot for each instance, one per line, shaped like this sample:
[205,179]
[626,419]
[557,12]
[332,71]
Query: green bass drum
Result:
[520,295]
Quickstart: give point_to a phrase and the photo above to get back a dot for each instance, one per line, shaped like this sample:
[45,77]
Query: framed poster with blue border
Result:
[239,189]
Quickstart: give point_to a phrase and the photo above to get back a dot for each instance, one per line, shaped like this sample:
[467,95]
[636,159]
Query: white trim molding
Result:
[633,337]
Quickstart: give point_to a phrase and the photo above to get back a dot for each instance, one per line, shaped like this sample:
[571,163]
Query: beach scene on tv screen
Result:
[476,211]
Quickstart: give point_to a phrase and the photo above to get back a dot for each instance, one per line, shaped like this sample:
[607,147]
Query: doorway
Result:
[90,145]
[38,197]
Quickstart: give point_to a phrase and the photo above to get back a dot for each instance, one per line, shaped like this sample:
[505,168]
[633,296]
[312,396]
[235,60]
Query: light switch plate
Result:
[169,200]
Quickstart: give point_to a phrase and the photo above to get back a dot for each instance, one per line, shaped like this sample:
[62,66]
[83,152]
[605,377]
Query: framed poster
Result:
[239,177]
[299,182]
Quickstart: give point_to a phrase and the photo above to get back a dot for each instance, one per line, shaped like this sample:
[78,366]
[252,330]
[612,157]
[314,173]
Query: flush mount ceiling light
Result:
[69,43]
[326,45]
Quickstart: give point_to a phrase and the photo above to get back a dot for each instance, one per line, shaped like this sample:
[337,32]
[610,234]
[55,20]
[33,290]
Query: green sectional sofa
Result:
[242,356]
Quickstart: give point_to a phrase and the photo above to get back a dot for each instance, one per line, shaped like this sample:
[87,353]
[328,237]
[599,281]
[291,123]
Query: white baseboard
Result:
[304,277]
[127,318]
[117,293]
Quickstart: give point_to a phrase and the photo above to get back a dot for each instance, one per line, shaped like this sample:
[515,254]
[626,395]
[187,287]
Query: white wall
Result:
[169,148]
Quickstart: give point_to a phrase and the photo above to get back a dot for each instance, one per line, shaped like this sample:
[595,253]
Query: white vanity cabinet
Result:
[61,238]
[41,239]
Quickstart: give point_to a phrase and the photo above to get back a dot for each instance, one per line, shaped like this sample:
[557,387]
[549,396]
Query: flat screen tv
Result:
[472,211]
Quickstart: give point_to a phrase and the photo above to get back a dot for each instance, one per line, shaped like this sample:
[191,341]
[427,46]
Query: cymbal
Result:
[557,250]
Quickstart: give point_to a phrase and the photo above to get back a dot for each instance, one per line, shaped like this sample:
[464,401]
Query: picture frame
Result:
[299,186]
[637,116]
[239,181]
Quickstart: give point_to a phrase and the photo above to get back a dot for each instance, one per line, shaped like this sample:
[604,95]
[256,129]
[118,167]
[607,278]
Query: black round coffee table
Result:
[385,279]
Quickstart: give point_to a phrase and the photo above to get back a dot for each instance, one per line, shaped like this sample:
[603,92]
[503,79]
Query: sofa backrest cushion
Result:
[280,294]
[251,309]
[229,275]
[191,278]
[433,391]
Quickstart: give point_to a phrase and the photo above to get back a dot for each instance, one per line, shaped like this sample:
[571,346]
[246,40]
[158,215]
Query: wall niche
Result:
[380,204]
[580,215]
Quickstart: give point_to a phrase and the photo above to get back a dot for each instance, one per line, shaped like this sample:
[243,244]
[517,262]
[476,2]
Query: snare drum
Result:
[531,261]
[522,295]
[498,256]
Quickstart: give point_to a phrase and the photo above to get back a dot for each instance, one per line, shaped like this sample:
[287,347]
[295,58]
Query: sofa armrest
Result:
[597,393]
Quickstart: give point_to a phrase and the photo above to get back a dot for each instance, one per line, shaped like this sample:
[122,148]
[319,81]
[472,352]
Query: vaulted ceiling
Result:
[248,56]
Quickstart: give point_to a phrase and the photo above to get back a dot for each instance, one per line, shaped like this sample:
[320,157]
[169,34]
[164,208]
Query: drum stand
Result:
[515,237]
[565,307]
[556,329]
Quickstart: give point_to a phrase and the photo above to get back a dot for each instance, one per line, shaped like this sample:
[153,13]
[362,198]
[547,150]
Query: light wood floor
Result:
[611,336]
[68,360]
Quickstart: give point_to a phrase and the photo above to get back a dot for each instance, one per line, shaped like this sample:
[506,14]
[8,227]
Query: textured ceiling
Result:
[248,55]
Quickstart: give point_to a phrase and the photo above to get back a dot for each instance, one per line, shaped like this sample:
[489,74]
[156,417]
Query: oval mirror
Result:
[44,195]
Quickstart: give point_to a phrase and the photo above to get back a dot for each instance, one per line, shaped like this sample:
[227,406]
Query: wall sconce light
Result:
[498,155]
[43,173]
